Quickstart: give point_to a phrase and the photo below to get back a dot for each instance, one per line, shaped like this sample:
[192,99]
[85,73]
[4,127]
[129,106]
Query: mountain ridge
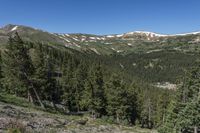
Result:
[138,41]
[130,32]
[152,58]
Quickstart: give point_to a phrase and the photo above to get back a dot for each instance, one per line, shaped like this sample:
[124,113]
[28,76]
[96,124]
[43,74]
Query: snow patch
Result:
[64,39]
[122,66]
[151,51]
[119,51]
[93,38]
[103,38]
[134,64]
[113,49]
[166,85]
[153,34]
[94,49]
[77,45]
[110,36]
[82,39]
[14,28]
[184,34]
[108,43]
[150,34]
[75,39]
[120,35]
[74,44]
[98,38]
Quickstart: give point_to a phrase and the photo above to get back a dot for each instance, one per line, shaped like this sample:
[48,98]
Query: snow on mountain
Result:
[184,34]
[151,34]
[14,28]
[110,36]
[94,50]
[120,35]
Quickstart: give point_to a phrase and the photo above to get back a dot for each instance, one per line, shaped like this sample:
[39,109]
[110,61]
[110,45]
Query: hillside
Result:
[148,56]
[19,115]
[108,83]
[137,42]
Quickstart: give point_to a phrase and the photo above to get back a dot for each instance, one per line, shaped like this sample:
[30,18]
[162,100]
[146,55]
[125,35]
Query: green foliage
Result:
[17,66]
[11,99]
[184,113]
[116,96]
[79,82]
[94,94]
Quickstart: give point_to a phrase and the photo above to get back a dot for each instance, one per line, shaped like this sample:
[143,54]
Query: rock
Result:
[33,125]
[8,107]
[82,122]
[4,122]
[66,122]
[32,120]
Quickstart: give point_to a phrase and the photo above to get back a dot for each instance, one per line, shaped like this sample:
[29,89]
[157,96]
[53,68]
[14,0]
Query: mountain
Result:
[128,78]
[145,55]
[138,41]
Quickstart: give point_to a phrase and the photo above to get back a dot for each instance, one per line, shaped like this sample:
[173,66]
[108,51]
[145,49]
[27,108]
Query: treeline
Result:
[40,73]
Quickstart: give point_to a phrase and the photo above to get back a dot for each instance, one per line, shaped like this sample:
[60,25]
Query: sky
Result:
[103,16]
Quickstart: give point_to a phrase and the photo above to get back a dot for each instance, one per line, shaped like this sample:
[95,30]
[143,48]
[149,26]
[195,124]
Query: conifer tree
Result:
[116,96]
[1,76]
[93,96]
[184,115]
[133,103]
[78,82]
[17,67]
[66,83]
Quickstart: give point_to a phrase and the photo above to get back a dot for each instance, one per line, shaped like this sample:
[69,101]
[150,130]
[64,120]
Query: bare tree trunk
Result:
[93,114]
[149,114]
[195,129]
[29,81]
[30,98]
[117,116]
[35,91]
[41,104]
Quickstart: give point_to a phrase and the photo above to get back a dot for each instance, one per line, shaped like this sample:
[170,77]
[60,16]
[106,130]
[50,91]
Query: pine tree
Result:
[78,82]
[169,125]
[133,103]
[1,72]
[40,75]
[17,67]
[52,89]
[116,96]
[184,115]
[67,83]
[93,96]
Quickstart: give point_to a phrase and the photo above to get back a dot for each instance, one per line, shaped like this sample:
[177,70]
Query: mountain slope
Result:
[141,55]
[138,41]
[18,115]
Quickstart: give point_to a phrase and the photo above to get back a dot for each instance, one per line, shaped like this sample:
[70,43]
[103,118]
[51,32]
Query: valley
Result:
[134,82]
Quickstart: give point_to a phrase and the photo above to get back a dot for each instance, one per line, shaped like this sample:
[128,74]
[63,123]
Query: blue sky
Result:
[103,16]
